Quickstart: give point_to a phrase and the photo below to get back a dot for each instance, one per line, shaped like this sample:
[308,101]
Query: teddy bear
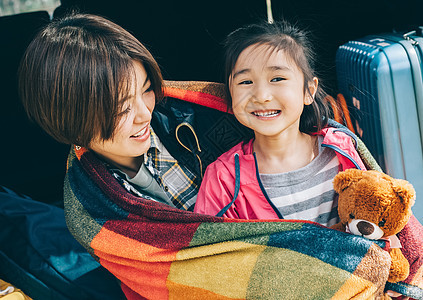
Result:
[376,206]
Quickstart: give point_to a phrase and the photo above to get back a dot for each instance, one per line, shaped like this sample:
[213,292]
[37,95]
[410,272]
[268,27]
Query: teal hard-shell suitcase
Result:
[380,76]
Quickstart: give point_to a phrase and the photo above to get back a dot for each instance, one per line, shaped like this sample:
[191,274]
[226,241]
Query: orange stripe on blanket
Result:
[107,241]
[146,279]
[197,98]
[134,263]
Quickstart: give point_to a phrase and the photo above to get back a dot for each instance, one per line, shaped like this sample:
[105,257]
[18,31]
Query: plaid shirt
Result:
[176,180]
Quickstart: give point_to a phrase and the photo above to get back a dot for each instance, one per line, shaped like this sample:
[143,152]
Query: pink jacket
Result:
[220,180]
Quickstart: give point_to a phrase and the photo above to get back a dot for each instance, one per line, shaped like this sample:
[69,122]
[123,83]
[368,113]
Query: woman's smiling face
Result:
[267,91]
[132,135]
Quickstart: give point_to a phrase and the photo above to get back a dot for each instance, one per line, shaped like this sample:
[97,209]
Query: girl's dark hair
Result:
[75,73]
[296,44]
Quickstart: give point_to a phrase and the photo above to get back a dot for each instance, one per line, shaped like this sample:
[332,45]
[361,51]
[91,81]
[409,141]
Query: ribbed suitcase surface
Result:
[381,76]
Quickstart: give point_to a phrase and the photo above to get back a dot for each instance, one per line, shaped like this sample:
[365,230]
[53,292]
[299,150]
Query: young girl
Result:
[286,170]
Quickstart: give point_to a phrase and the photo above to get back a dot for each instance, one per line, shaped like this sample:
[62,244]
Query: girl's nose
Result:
[262,94]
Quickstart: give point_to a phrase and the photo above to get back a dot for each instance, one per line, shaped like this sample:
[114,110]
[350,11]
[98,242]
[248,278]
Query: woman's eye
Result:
[276,79]
[246,82]
[125,111]
[149,89]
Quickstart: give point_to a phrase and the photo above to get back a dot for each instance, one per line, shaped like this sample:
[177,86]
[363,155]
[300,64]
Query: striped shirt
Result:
[307,193]
[177,181]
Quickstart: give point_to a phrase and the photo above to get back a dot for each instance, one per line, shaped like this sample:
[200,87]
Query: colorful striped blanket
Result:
[158,252]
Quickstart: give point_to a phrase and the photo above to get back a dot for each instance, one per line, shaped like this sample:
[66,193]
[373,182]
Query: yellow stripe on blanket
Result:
[180,291]
[220,273]
[356,288]
[279,268]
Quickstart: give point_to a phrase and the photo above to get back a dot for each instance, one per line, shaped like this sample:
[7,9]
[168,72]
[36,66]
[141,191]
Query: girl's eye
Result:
[276,79]
[246,82]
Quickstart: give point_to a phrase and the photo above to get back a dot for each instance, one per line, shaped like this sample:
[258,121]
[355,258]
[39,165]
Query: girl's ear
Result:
[312,89]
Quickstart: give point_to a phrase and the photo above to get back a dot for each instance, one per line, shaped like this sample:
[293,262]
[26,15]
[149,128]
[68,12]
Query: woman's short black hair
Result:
[75,73]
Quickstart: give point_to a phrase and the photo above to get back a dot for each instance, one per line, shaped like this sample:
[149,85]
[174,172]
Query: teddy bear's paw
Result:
[400,268]
[397,275]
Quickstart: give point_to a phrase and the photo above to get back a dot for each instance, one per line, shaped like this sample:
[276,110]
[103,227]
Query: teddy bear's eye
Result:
[352,216]
[382,223]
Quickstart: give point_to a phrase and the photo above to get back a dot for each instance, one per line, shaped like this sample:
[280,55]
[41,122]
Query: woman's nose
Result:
[143,112]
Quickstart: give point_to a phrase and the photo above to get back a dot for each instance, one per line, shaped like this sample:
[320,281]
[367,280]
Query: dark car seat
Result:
[31,162]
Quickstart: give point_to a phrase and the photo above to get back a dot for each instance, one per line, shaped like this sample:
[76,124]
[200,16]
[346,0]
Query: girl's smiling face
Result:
[267,91]
[132,135]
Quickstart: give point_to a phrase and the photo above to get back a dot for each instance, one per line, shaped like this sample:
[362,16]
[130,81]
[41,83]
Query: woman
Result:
[88,82]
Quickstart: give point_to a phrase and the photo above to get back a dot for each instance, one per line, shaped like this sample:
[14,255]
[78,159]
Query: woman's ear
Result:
[312,89]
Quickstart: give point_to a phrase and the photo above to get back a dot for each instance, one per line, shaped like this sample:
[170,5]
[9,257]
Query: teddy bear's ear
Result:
[404,190]
[344,179]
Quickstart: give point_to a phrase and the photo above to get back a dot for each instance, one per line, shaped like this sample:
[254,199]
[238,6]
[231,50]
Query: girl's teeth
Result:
[266,113]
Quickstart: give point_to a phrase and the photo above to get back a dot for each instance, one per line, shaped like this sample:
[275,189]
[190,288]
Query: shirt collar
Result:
[156,146]
[155,142]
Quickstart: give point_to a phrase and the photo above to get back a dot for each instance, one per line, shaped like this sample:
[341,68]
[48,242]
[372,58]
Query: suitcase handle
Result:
[418,32]
[407,35]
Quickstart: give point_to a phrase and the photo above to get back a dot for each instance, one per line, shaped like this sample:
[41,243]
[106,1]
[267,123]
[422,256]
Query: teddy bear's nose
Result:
[365,228]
